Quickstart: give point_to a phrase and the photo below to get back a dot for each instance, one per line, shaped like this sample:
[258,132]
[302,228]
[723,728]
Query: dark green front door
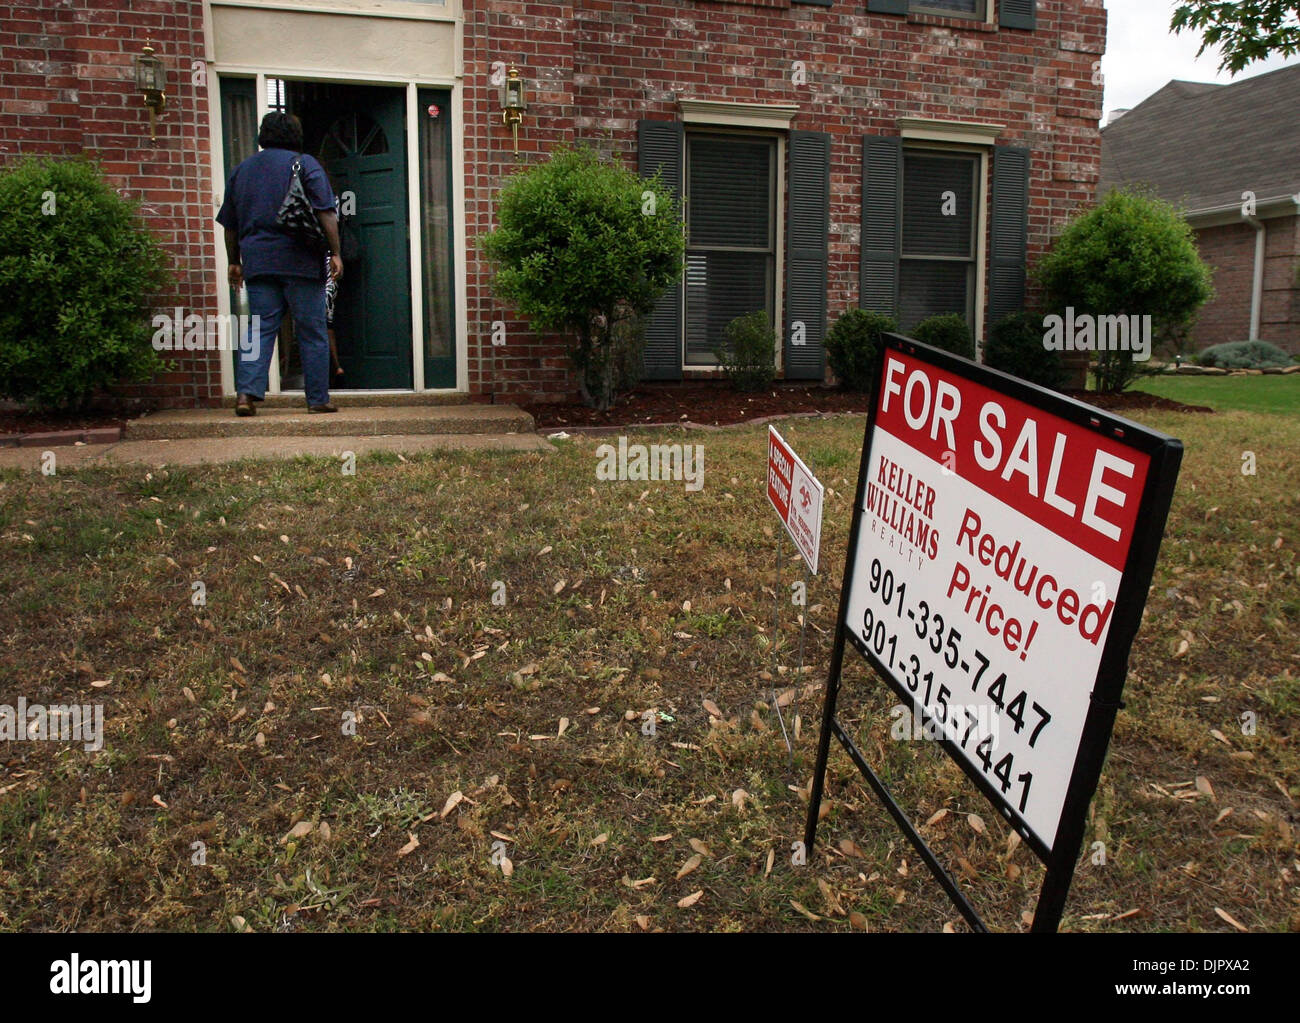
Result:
[359,135]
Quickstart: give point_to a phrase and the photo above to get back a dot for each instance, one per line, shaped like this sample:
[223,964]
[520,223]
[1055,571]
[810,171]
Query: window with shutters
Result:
[731,236]
[940,214]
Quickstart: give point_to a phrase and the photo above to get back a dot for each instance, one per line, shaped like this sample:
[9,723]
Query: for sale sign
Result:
[1003,542]
[796,495]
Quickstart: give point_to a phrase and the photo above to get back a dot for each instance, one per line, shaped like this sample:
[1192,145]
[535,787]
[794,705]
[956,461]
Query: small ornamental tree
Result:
[583,246]
[1130,255]
[77,268]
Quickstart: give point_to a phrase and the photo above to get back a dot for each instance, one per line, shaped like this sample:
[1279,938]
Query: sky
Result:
[1142,55]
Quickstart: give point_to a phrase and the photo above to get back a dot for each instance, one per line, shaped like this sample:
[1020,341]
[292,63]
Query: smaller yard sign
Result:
[796,495]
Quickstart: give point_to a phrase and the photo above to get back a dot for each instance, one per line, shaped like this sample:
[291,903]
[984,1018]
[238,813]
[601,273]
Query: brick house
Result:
[1229,156]
[909,155]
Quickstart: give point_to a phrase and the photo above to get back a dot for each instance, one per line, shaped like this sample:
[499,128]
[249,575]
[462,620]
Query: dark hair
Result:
[280,131]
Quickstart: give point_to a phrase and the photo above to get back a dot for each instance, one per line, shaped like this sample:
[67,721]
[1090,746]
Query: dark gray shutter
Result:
[808,243]
[659,149]
[1018,13]
[887,6]
[882,174]
[1009,234]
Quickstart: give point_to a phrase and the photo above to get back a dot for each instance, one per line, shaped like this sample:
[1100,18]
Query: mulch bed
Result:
[13,422]
[715,404]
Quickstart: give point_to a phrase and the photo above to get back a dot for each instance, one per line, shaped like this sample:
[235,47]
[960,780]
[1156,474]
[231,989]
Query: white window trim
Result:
[697,369]
[769,116]
[966,133]
[981,223]
[449,11]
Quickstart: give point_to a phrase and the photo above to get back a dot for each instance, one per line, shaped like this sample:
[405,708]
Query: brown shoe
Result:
[244,405]
[327,407]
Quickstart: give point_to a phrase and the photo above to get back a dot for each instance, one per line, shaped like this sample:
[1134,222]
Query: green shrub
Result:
[948,332]
[1131,255]
[749,355]
[583,245]
[77,268]
[1016,346]
[852,343]
[1244,355]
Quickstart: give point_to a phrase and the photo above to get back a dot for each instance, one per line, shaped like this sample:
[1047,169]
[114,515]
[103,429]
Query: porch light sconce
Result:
[151,83]
[514,101]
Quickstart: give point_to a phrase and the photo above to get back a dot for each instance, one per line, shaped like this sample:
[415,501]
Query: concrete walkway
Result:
[198,450]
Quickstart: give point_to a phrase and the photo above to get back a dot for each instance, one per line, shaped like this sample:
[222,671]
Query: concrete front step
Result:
[360,399]
[347,422]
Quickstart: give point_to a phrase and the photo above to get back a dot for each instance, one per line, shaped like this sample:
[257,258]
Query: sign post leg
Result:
[824,742]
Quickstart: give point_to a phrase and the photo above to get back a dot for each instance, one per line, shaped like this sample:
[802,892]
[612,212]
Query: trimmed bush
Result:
[77,267]
[1244,355]
[948,332]
[1016,346]
[1130,255]
[852,343]
[749,355]
[583,245]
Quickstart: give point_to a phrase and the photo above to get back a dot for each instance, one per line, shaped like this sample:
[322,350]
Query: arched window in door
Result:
[354,134]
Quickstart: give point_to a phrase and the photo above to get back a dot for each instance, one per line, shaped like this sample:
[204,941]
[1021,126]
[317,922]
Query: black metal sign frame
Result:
[1165,454]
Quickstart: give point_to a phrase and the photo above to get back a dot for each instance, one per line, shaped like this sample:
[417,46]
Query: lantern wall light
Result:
[151,83]
[514,101]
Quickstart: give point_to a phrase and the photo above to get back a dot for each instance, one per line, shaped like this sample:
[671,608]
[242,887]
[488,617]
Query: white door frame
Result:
[410,87]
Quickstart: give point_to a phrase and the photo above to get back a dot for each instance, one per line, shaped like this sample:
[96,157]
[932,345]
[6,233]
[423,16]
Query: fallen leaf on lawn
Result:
[299,830]
[771,859]
[545,550]
[101,683]
[1228,918]
[1220,736]
[976,822]
[564,723]
[507,867]
[637,884]
[738,799]
[558,586]
[325,832]
[157,800]
[712,708]
[690,865]
[410,846]
[642,921]
[1013,871]
[1224,814]
[850,848]
[452,802]
[937,816]
[690,900]
[1204,787]
[857,921]
[378,593]
[1125,916]
[948,928]
[662,838]
[592,710]
[832,900]
[700,847]
[601,839]
[234,663]
[1182,648]
[189,694]
[800,908]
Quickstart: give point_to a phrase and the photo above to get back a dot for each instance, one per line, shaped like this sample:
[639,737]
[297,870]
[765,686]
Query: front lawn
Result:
[1276,394]
[349,733]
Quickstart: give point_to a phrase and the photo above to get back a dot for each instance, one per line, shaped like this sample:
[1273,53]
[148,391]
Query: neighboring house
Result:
[1229,155]
[905,156]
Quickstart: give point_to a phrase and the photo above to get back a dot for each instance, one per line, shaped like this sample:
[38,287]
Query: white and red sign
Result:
[796,495]
[993,540]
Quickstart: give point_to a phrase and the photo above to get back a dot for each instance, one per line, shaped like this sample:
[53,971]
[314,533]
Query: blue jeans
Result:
[268,297]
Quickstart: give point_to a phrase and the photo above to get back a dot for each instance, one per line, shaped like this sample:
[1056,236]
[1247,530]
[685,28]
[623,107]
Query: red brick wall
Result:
[67,86]
[610,63]
[594,68]
[1230,251]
